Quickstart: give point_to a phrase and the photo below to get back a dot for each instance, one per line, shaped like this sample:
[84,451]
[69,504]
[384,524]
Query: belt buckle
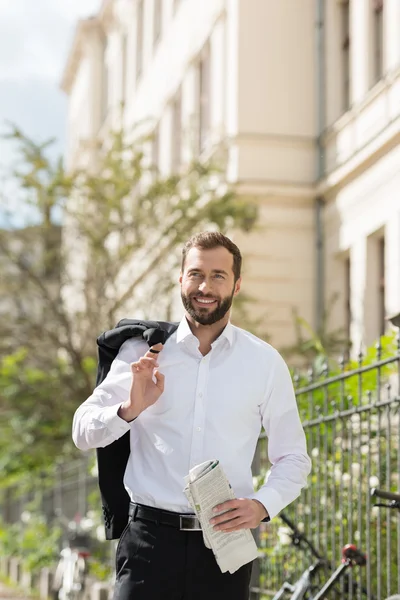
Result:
[189,523]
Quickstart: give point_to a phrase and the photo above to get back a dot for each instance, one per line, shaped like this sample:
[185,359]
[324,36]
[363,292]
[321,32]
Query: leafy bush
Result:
[32,540]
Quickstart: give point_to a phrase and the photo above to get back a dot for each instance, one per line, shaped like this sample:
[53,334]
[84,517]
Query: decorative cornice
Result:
[106,16]
[83,28]
[269,188]
[103,21]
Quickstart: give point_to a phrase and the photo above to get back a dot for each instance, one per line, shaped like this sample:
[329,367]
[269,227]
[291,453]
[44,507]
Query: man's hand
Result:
[243,514]
[144,391]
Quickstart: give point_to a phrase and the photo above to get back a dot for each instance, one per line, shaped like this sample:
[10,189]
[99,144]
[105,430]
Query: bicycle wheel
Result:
[80,572]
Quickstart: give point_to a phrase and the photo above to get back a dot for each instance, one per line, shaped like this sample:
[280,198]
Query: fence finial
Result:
[360,356]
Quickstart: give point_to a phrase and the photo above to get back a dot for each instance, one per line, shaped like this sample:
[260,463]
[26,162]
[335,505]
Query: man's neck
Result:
[206,334]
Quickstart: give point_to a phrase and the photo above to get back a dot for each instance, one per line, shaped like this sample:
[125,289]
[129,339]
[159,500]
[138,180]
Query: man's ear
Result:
[237,286]
[180,277]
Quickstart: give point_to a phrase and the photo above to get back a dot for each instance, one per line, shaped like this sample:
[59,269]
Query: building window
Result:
[139,37]
[157,21]
[176,132]
[204,98]
[381,285]
[378,6]
[345,8]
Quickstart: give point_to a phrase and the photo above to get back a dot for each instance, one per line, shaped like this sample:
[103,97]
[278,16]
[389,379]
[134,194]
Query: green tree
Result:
[318,346]
[96,244]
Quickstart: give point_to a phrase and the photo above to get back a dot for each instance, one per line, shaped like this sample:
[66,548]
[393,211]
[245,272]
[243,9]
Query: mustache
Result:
[203,296]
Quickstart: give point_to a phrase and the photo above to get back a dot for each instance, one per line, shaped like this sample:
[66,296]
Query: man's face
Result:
[208,284]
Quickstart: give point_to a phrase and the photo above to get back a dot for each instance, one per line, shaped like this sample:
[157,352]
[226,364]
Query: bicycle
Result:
[72,568]
[394,504]
[304,587]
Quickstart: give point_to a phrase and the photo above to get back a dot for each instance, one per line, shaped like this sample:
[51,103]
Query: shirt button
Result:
[198,428]
[200,394]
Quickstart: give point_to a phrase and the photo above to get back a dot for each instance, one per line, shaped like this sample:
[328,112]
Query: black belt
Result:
[184,522]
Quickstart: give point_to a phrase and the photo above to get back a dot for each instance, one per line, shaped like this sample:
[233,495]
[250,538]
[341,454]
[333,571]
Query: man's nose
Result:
[204,286]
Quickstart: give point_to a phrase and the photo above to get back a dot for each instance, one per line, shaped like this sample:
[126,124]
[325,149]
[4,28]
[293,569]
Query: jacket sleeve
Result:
[96,423]
[287,451]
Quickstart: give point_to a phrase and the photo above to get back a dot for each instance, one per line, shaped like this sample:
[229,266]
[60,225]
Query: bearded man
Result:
[204,395]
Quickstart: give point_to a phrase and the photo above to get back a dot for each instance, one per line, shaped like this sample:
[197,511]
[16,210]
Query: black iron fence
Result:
[63,494]
[351,417]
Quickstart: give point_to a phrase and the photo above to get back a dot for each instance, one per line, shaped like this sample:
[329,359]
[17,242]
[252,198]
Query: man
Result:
[205,395]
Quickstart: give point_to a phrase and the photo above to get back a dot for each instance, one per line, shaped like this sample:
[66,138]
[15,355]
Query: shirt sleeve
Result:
[96,423]
[287,449]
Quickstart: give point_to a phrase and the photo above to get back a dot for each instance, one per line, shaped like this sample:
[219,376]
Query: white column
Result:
[95,97]
[334,62]
[372,320]
[189,113]
[359,49]
[217,84]
[391,34]
[114,63]
[231,82]
[358,288]
[165,141]
[392,264]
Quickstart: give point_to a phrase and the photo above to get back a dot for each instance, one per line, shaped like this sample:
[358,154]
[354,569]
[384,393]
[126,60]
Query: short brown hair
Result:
[207,240]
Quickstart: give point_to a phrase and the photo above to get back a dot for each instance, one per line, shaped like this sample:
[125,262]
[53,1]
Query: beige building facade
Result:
[306,95]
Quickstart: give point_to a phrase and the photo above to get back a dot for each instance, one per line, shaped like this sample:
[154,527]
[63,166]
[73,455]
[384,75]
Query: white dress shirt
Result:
[212,407]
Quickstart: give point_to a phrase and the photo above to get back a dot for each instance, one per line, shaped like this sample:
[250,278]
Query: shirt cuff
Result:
[113,421]
[270,499]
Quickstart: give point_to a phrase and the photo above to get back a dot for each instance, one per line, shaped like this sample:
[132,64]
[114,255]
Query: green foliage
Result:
[335,392]
[38,427]
[317,346]
[97,243]
[351,418]
[34,542]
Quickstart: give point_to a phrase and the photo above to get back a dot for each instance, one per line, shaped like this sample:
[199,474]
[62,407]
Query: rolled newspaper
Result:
[207,486]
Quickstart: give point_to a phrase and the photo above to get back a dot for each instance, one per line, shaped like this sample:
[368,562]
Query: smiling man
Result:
[205,395]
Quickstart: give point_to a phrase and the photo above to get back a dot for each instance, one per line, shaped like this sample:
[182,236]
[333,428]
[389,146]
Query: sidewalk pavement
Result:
[7,593]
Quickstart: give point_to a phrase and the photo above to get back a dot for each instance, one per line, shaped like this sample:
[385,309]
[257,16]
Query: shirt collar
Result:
[184,332]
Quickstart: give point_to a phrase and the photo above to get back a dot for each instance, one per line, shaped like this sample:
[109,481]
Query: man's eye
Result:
[195,274]
[219,276]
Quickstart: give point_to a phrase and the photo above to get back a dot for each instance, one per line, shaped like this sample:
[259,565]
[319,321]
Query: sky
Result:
[35,38]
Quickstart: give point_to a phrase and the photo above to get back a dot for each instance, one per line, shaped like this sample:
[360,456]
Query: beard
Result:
[204,316]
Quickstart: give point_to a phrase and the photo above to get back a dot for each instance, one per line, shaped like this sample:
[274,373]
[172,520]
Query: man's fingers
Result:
[144,363]
[228,505]
[237,523]
[230,515]
[148,361]
[160,379]
[233,526]
[154,350]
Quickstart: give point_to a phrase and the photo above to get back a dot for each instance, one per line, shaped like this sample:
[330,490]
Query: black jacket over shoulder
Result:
[112,459]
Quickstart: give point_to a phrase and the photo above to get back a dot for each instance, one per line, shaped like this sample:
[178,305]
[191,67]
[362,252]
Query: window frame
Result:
[378,40]
[345,51]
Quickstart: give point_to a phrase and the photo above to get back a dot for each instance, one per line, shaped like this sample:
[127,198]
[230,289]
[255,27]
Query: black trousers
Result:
[158,562]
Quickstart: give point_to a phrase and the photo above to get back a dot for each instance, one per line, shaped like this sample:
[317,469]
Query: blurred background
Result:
[129,125]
